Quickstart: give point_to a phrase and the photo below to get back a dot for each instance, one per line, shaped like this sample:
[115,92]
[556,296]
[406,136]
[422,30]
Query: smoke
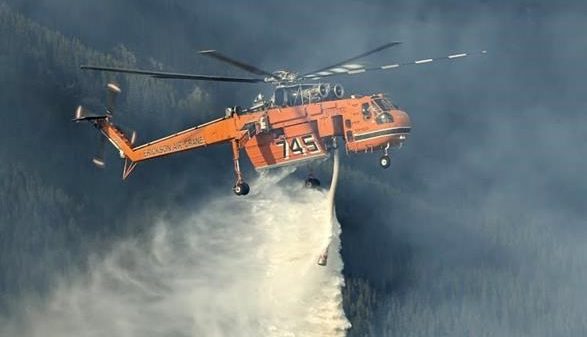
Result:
[476,229]
[232,267]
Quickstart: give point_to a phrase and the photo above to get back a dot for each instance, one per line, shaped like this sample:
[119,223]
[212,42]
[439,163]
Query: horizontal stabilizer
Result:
[82,115]
[89,118]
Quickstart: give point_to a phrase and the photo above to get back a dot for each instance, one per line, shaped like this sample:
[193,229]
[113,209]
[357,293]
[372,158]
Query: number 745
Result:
[298,145]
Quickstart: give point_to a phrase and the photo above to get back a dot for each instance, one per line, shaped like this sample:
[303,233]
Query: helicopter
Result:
[301,122]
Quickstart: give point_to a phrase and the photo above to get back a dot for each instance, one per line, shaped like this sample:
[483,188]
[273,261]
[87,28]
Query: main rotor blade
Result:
[180,76]
[339,71]
[252,69]
[372,51]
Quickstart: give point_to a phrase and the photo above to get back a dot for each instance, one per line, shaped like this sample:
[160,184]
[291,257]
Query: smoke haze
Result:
[478,228]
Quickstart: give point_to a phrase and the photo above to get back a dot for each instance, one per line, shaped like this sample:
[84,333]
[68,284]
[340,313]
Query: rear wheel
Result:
[385,161]
[241,188]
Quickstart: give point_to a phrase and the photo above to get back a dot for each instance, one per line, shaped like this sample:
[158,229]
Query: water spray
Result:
[323,258]
[209,268]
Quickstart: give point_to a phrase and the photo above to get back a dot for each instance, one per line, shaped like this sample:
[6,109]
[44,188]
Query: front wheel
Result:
[385,161]
[241,188]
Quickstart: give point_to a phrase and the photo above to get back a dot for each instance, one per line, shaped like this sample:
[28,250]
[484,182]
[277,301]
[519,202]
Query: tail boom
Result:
[216,132]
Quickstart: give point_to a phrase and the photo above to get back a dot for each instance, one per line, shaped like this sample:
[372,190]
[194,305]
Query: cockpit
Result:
[378,109]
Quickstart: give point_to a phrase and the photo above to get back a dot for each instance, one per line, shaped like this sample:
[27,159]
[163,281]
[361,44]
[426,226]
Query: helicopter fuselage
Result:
[278,136]
[304,132]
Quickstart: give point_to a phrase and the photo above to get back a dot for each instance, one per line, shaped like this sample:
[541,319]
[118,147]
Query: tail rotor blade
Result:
[130,134]
[98,159]
[79,113]
[112,91]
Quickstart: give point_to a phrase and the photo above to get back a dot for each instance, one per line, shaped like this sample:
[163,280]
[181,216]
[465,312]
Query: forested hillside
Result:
[51,213]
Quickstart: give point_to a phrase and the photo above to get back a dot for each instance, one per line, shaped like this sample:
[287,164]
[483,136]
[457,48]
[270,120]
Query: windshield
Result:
[384,118]
[384,104]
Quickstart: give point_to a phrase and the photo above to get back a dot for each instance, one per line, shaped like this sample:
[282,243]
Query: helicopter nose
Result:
[402,125]
[401,119]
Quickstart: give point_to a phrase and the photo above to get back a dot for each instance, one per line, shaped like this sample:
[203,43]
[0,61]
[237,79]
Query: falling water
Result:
[234,267]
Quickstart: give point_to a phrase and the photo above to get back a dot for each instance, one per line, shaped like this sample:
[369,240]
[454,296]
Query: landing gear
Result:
[385,160]
[240,186]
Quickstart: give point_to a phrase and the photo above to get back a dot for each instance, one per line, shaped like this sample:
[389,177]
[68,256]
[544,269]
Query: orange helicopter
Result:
[299,123]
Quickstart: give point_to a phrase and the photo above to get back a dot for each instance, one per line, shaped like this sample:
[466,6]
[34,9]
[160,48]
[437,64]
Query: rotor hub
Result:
[282,76]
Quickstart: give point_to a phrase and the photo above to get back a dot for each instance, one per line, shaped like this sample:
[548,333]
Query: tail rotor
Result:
[122,139]
[112,92]
[82,115]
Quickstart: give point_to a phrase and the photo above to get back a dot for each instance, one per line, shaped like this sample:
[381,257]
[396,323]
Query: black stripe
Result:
[382,133]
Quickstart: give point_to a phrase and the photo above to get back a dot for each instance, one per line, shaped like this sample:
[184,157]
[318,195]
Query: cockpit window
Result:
[383,118]
[384,104]
[366,111]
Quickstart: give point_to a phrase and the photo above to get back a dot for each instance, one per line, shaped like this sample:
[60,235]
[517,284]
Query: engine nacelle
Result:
[323,90]
[316,93]
[338,91]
